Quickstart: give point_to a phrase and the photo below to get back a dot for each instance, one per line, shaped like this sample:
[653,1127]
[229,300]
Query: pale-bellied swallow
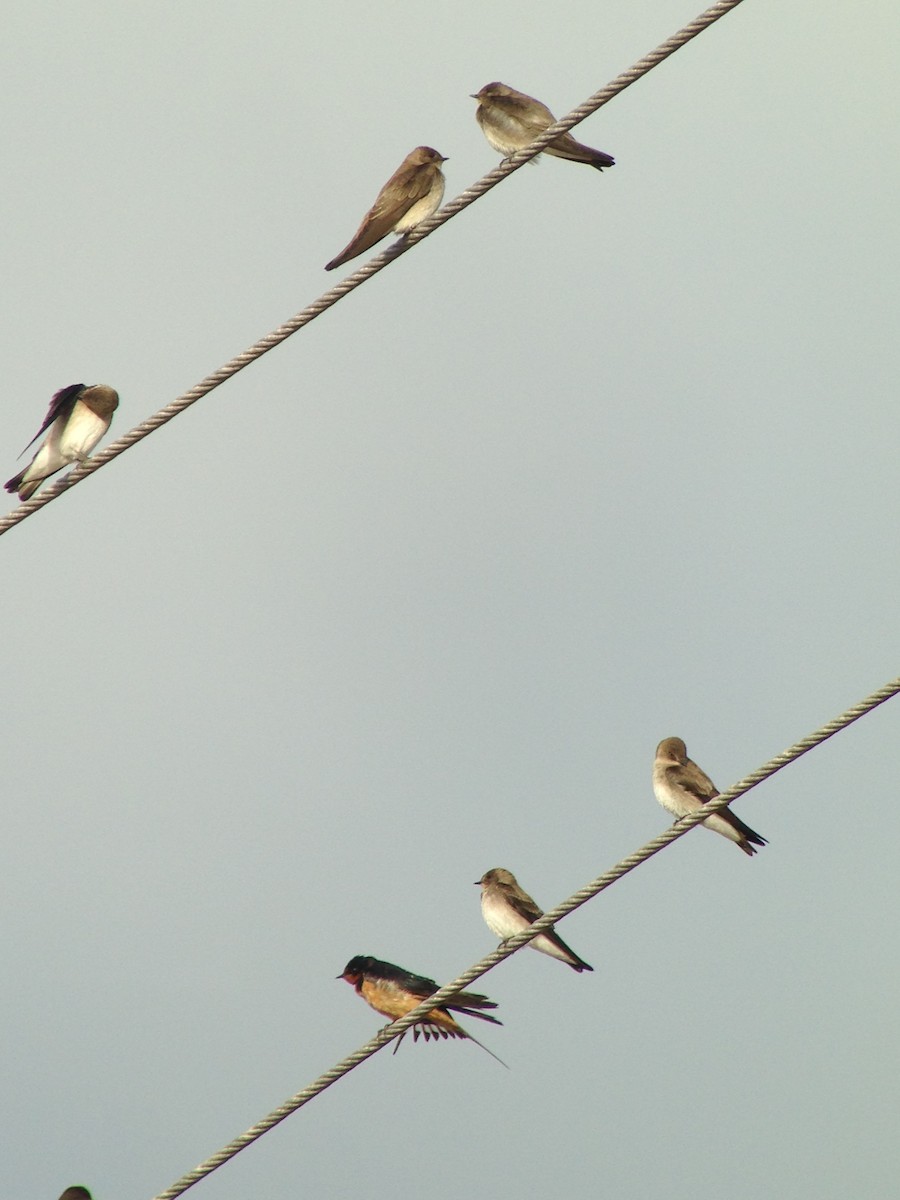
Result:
[410,196]
[78,418]
[681,788]
[394,992]
[510,121]
[507,910]
[76,1193]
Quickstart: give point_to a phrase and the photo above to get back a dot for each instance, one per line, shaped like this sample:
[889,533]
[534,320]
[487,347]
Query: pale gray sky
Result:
[609,458]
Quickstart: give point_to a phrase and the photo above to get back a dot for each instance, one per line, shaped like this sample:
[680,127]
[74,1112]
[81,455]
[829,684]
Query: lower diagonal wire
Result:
[600,884]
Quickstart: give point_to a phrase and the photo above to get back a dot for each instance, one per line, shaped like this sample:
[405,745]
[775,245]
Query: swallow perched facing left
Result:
[410,196]
[76,1193]
[681,788]
[507,910]
[394,992]
[510,121]
[78,418]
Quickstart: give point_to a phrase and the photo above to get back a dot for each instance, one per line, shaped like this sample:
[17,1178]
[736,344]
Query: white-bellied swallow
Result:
[681,788]
[510,121]
[411,195]
[78,418]
[507,910]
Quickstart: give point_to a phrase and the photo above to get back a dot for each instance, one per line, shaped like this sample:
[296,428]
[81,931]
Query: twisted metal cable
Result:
[372,267]
[600,884]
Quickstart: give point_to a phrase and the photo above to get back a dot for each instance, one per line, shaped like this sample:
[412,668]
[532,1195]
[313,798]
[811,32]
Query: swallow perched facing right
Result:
[510,121]
[76,1193]
[78,418]
[507,910]
[681,788]
[410,196]
[394,992]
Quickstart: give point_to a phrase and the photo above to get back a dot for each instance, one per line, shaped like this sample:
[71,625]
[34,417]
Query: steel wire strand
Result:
[370,268]
[514,944]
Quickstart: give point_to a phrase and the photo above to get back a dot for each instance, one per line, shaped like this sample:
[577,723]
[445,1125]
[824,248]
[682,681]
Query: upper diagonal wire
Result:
[372,267]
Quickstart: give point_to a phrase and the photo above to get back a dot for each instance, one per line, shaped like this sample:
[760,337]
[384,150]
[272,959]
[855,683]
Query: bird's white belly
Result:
[421,210]
[501,920]
[81,434]
[672,800]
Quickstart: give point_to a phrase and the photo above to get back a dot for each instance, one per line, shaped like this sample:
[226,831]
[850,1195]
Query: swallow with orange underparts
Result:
[508,910]
[681,788]
[394,992]
[78,418]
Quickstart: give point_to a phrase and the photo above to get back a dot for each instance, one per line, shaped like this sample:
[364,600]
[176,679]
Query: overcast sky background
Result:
[608,458]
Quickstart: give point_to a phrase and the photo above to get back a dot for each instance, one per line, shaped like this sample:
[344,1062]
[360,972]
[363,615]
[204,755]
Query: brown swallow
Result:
[510,121]
[410,196]
[681,788]
[78,418]
[394,992]
[507,910]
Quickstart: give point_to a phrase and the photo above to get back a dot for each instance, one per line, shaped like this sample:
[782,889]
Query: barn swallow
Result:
[410,196]
[76,1193]
[394,992]
[507,910]
[681,788]
[510,121]
[78,418]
